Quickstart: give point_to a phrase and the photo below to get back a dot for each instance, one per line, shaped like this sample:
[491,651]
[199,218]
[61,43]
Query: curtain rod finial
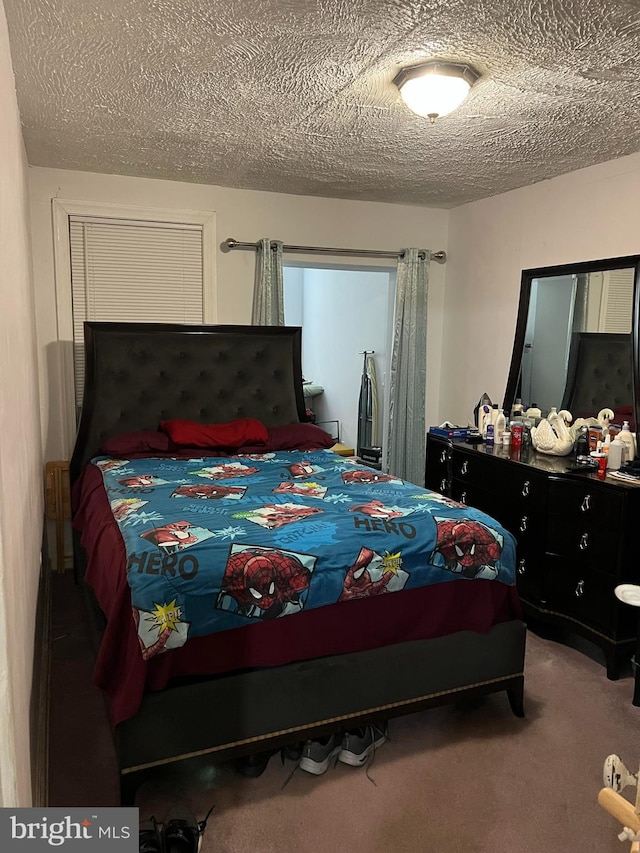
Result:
[228,244]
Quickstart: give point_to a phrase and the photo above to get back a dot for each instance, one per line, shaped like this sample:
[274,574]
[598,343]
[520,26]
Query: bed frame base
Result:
[236,715]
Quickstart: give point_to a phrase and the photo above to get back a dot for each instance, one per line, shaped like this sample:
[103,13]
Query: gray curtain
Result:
[268,298]
[407,429]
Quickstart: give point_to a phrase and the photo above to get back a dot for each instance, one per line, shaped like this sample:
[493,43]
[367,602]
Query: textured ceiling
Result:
[297,96]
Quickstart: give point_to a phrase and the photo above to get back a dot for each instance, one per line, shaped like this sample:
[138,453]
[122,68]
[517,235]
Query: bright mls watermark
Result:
[74,829]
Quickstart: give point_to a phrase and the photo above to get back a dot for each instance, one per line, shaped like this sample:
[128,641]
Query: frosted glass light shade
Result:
[435,89]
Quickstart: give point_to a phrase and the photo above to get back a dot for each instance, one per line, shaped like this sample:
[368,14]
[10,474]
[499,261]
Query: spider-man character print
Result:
[466,547]
[172,537]
[304,468]
[358,582]
[227,471]
[367,475]
[205,492]
[264,583]
[376,509]
[141,481]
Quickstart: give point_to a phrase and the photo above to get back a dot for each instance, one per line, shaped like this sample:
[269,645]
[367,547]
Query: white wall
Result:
[21,474]
[585,215]
[244,215]
[346,312]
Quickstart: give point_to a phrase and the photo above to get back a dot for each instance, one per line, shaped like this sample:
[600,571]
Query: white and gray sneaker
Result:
[359,744]
[317,754]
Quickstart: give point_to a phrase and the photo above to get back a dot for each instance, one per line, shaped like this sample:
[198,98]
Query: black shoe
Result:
[292,751]
[150,837]
[254,765]
[182,833]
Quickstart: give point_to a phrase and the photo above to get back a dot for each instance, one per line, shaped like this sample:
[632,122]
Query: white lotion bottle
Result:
[499,426]
[628,438]
[615,455]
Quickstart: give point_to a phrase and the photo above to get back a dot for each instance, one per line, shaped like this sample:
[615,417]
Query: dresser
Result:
[577,536]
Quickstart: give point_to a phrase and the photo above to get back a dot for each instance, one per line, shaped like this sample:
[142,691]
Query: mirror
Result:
[576,339]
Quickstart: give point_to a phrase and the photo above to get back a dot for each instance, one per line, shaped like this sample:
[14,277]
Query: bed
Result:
[271,671]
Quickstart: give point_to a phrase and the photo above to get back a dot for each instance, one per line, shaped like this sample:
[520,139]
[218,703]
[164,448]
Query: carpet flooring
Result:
[462,777]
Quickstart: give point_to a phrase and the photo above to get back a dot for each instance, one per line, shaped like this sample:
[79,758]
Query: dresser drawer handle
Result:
[526,488]
[585,506]
[524,523]
[579,590]
[584,542]
[463,498]
[522,566]
[443,456]
[464,468]
[443,485]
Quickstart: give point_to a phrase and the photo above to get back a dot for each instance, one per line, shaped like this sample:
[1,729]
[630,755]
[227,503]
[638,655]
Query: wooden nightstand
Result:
[58,503]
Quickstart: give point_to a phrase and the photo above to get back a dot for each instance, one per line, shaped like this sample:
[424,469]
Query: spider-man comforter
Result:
[217,543]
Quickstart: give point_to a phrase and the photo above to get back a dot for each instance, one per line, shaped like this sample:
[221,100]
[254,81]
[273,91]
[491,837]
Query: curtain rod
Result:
[230,244]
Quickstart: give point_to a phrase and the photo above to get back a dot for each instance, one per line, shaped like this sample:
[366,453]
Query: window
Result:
[127,264]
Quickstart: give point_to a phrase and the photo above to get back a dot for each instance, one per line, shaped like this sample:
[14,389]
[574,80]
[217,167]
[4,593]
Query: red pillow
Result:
[298,437]
[142,441]
[231,434]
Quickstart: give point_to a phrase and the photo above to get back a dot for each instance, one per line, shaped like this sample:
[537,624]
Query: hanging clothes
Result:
[375,421]
[365,406]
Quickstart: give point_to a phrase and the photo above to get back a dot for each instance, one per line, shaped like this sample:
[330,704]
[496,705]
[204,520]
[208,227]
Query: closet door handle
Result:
[464,468]
[585,506]
[579,590]
[524,523]
[526,488]
[584,542]
[522,566]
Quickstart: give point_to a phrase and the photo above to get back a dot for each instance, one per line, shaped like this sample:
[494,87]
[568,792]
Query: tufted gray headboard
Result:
[599,373]
[138,374]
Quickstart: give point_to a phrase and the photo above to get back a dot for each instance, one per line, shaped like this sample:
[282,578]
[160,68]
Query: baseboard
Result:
[40,685]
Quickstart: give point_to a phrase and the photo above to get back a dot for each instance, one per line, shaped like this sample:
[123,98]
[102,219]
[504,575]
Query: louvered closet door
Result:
[123,270]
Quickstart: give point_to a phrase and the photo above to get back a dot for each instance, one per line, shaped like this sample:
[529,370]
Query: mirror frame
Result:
[629,261]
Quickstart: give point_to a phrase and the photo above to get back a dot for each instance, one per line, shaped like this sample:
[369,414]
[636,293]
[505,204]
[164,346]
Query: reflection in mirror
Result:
[575,338]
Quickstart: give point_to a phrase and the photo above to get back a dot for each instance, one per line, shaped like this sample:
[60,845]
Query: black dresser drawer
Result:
[438,465]
[584,595]
[515,484]
[530,575]
[585,524]
[528,530]
[473,468]
[517,502]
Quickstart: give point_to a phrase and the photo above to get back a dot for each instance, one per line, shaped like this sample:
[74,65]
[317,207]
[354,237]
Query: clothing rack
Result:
[230,244]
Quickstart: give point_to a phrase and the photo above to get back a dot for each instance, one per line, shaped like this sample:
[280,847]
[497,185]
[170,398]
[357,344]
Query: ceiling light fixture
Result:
[435,88]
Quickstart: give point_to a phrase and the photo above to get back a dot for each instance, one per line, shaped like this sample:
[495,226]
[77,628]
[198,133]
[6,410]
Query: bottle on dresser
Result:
[625,435]
[616,453]
[517,410]
[534,411]
[499,426]
[484,418]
